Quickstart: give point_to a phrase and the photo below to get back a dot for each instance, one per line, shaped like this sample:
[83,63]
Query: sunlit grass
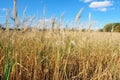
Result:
[60,56]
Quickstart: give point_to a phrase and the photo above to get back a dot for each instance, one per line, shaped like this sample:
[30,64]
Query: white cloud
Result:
[87,1]
[100,5]
[102,9]
[3,9]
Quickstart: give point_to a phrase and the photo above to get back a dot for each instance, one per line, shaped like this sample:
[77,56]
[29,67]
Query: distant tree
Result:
[83,30]
[117,27]
[112,27]
[0,25]
[100,30]
[107,27]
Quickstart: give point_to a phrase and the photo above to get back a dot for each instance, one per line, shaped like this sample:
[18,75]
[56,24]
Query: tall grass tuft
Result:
[67,55]
[58,55]
[9,67]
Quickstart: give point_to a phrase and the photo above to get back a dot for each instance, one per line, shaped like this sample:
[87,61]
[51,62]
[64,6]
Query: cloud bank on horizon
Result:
[99,5]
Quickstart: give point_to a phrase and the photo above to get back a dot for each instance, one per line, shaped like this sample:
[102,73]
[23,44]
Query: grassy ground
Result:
[59,55]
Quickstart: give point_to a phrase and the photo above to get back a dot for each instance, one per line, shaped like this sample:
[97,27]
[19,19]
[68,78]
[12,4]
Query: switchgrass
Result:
[57,54]
[67,55]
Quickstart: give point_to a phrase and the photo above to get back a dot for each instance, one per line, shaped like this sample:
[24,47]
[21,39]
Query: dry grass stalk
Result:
[53,23]
[61,17]
[31,20]
[60,23]
[78,16]
[24,19]
[7,23]
[15,15]
[90,22]
[69,55]
[75,57]
[44,16]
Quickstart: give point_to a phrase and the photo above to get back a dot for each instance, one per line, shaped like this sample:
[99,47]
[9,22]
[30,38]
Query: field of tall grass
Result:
[63,55]
[55,53]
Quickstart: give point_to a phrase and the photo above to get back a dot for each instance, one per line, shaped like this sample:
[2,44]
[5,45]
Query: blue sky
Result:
[102,11]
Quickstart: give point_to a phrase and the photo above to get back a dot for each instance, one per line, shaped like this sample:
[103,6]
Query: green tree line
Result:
[112,27]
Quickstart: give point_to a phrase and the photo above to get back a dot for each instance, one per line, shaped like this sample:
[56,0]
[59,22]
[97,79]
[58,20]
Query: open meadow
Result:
[63,40]
[59,55]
